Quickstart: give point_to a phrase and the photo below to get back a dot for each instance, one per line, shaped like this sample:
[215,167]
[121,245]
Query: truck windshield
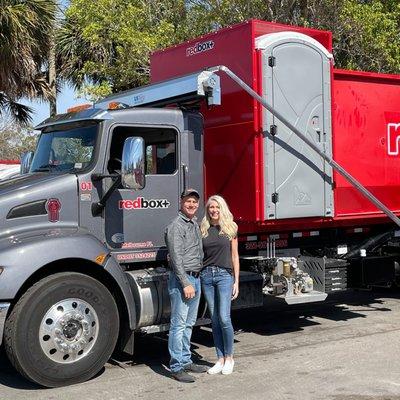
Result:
[66,149]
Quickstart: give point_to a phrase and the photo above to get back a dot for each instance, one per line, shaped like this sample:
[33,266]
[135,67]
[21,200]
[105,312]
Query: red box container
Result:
[363,118]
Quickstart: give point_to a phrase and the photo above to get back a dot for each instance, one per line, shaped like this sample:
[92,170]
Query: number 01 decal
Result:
[86,186]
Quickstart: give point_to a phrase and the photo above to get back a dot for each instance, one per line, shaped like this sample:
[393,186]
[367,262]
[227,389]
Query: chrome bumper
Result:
[3,314]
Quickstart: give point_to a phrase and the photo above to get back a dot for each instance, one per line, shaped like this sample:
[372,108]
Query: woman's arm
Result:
[236,267]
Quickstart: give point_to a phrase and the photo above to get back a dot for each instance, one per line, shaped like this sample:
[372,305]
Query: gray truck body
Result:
[30,242]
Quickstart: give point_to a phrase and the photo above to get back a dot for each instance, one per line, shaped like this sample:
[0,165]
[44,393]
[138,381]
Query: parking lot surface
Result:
[347,348]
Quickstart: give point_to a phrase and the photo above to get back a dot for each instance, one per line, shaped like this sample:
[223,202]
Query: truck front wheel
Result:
[62,330]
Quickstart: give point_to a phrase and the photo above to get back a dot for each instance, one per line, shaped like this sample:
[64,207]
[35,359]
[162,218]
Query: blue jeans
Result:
[183,317]
[217,288]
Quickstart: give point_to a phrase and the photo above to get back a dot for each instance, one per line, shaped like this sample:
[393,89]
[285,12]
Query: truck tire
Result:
[62,330]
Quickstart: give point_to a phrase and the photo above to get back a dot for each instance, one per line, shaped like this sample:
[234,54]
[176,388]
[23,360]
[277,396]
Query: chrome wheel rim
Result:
[68,331]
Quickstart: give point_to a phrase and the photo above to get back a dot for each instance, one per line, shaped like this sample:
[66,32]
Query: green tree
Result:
[25,31]
[369,38]
[366,33]
[15,139]
[104,46]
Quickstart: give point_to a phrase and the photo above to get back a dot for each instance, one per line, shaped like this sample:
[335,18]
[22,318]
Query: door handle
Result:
[185,171]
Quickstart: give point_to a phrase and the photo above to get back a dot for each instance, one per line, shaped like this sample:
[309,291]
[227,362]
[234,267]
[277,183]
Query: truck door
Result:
[296,82]
[135,220]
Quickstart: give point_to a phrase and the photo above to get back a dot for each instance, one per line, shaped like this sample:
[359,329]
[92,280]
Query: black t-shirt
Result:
[217,249]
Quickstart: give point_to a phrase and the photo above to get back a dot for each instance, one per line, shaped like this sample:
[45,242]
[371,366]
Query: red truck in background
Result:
[274,183]
[362,108]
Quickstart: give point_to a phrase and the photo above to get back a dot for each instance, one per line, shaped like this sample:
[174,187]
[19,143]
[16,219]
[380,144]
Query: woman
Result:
[220,277]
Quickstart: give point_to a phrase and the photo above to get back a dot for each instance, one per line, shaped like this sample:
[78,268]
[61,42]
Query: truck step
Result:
[311,297]
[335,275]
[335,279]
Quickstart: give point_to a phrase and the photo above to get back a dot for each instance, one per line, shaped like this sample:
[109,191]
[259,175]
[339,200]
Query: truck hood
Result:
[22,181]
[24,200]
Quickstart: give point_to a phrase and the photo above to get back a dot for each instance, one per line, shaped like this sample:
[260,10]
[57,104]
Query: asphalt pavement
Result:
[347,348]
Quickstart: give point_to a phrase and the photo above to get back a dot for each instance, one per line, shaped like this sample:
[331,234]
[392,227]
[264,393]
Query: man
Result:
[167,164]
[183,239]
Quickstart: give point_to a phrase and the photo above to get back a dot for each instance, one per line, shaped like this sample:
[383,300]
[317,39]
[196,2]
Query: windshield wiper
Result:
[46,168]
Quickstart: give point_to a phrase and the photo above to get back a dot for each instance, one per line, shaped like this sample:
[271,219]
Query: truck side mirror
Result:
[133,157]
[26,161]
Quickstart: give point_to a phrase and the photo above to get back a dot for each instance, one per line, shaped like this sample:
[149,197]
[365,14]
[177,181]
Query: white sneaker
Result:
[228,367]
[216,368]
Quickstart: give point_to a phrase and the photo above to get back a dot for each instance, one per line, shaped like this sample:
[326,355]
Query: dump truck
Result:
[306,156]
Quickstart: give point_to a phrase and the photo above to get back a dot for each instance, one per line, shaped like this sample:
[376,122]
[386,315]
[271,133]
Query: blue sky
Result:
[65,99]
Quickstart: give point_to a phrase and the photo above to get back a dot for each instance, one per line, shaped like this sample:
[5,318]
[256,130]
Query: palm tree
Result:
[26,30]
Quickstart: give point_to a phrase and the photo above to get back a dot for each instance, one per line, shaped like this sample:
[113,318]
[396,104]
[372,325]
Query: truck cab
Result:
[91,149]
[74,220]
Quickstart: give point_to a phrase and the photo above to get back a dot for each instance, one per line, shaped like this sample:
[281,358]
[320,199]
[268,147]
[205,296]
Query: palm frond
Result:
[18,112]
[26,28]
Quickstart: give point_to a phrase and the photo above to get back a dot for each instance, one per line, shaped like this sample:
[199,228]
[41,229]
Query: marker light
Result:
[116,105]
[76,109]
[100,258]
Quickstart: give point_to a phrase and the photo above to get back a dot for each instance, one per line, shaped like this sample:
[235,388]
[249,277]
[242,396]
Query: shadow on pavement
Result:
[268,320]
[271,319]
[11,378]
[152,350]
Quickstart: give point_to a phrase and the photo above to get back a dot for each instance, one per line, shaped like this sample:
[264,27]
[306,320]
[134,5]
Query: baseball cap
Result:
[190,192]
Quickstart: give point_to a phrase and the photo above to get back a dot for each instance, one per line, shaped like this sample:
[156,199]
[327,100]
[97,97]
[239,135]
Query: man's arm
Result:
[174,238]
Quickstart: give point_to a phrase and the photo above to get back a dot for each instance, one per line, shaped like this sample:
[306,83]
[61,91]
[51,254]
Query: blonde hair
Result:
[228,227]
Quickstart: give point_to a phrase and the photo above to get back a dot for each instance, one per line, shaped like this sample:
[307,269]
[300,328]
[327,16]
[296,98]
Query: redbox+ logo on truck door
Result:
[142,203]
